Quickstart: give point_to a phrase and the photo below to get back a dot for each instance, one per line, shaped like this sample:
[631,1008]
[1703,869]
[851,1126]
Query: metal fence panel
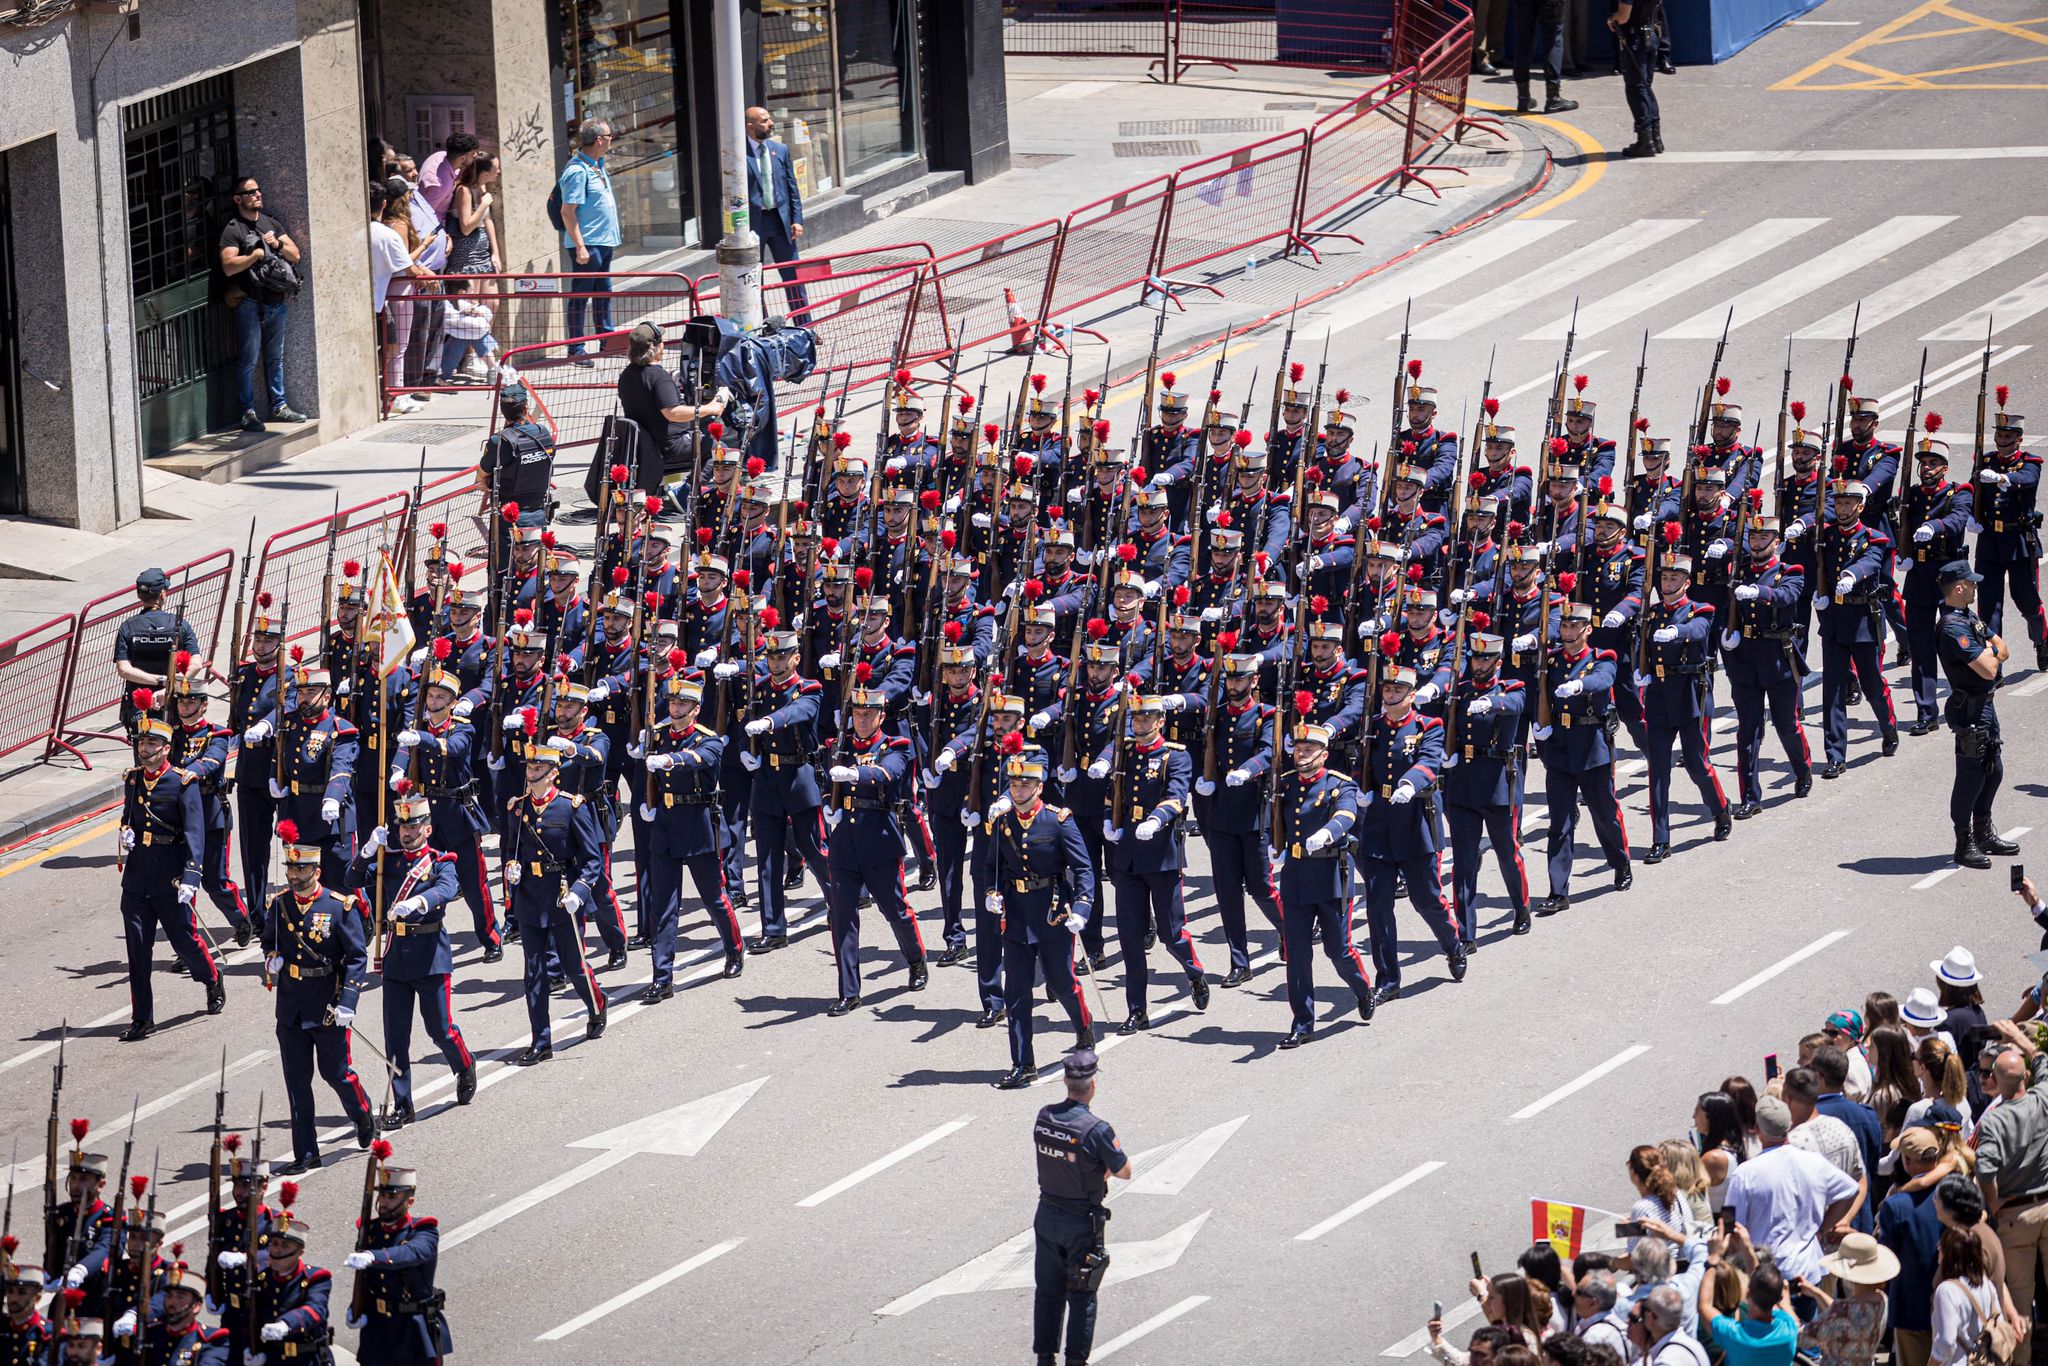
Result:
[31,682]
[1226,204]
[91,687]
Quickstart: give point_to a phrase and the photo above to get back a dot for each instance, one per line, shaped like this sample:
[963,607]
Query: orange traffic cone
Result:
[1020,326]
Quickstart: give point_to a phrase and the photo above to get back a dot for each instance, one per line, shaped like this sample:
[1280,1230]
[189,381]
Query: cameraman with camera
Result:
[261,262]
[1077,1154]
[1971,656]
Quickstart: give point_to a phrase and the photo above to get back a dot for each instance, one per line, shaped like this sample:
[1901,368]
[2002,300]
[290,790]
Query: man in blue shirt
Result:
[1909,1225]
[590,229]
[1833,1065]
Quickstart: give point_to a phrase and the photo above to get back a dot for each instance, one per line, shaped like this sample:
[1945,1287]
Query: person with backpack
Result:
[1970,1327]
[260,260]
[518,464]
[583,208]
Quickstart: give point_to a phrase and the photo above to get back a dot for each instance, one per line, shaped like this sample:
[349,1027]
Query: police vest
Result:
[1067,1175]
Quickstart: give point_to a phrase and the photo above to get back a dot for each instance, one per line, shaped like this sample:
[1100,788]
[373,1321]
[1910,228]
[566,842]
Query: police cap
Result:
[152,581]
[1958,571]
[1081,1064]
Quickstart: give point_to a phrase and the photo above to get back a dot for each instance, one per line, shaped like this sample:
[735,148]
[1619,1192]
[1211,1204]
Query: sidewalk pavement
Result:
[1080,129]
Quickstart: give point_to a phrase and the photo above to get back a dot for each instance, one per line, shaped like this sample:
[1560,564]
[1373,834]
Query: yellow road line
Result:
[94,833]
[1836,57]
[1993,25]
[1595,150]
[1981,66]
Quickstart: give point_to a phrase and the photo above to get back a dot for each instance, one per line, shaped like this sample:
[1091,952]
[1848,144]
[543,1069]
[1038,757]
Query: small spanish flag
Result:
[1562,1226]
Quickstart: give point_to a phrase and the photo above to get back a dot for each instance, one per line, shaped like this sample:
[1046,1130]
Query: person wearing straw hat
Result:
[162,841]
[1957,985]
[404,1324]
[1850,1327]
[315,950]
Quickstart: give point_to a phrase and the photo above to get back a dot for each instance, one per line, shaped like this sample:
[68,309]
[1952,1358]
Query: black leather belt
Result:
[309,974]
[1030,884]
[863,804]
[402,928]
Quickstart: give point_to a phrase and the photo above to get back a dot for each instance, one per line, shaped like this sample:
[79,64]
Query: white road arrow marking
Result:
[1008,1267]
[680,1132]
[1167,1170]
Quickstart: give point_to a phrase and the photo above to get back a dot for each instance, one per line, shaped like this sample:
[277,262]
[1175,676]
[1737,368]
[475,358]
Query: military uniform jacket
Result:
[1430,657]
[400,1286]
[1266,518]
[841,518]
[2009,531]
[116,1284]
[370,703]
[443,765]
[1517,614]
[892,671]
[319,763]
[571,622]
[300,1302]
[951,720]
[169,822]
[684,797]
[1947,508]
[1617,580]
[1740,462]
[865,832]
[26,1343]
[1189,679]
[1962,636]
[1410,751]
[583,772]
[551,846]
[1577,742]
[1857,616]
[1156,784]
[1136,638]
[1171,451]
[1655,494]
[1762,654]
[1222,593]
[1437,449]
[470,661]
[1328,802]
[787,782]
[95,1236]
[1514,485]
[208,754]
[1341,701]
[1472,563]
[1038,863]
[1422,531]
[1096,719]
[1876,465]
[1480,750]
[325,948]
[227,1291]
[701,624]
[919,453]
[1703,531]
[1677,691]
[1164,558]
[1039,680]
[1594,456]
[418,947]
[977,627]
[252,697]
[195,1346]
[614,663]
[1325,568]
[1244,739]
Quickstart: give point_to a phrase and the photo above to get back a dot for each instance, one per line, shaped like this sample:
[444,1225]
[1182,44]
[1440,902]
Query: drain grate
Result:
[1185,148]
[426,433]
[1166,128]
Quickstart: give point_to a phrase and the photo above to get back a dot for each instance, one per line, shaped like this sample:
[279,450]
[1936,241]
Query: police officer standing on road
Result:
[1077,1154]
[1636,39]
[144,644]
[1972,656]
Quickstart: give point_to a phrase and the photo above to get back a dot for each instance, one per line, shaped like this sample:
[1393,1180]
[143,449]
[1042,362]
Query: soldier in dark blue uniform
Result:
[317,790]
[983,763]
[1436,450]
[1934,526]
[1500,478]
[553,852]
[1578,760]
[582,773]
[162,838]
[2009,538]
[956,711]
[24,1332]
[1093,718]
[291,1296]
[405,1324]
[1400,831]
[1879,466]
[865,854]
[1043,887]
[1146,860]
[1848,598]
[176,1335]
[208,754]
[778,749]
[1233,810]
[909,456]
[679,807]
[1318,809]
[80,1229]
[1169,449]
[1763,671]
[409,890]
[1804,506]
[1339,689]
[1615,569]
[437,755]
[253,694]
[1077,1154]
[124,1286]
[1482,784]
[315,952]
[1973,656]
[229,1276]
[1594,455]
[1677,701]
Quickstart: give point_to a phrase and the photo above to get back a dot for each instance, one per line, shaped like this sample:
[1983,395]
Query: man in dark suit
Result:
[773,200]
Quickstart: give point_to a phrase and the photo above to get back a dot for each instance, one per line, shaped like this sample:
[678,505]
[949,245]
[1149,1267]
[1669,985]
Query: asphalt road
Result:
[736,1177]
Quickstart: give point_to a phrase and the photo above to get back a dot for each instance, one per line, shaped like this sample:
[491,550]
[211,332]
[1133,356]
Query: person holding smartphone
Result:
[1763,1331]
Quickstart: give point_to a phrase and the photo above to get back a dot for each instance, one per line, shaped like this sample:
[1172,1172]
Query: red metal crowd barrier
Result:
[1352,152]
[1107,247]
[31,681]
[293,562]
[993,289]
[90,686]
[1089,28]
[1354,35]
[1234,202]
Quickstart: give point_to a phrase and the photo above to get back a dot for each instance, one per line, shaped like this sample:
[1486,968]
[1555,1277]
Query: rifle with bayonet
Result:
[1280,381]
[1784,415]
[1983,389]
[1699,430]
[53,1248]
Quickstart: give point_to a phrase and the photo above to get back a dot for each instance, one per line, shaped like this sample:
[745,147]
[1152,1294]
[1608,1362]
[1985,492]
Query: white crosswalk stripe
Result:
[1436,268]
[1684,274]
[1798,281]
[1528,286]
[2009,309]
[1930,282]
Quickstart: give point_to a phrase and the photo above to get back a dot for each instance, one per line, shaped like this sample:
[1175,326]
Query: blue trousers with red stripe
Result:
[1424,876]
[215,882]
[149,901]
[1692,752]
[772,833]
[1782,700]
[1054,952]
[884,882]
[1239,865]
[664,902]
[2024,579]
[1562,794]
[327,1048]
[475,882]
[1299,923]
[435,1000]
[1865,657]
[1502,825]
[1151,901]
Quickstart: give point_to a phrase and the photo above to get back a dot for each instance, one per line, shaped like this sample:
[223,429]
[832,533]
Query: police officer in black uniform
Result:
[146,641]
[1972,657]
[518,465]
[1077,1154]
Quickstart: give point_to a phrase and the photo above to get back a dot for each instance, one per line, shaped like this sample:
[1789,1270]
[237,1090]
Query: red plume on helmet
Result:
[951,631]
[1848,383]
[443,647]
[288,1194]
[1343,397]
[949,538]
[1140,476]
[863,576]
[232,1142]
[1606,484]
[81,1127]
[1390,642]
[1226,641]
[1407,448]
[1295,371]
[1312,474]
[929,500]
[438,530]
[144,699]
[620,474]
[1798,410]
[402,786]
[523,617]
[1034,589]
[678,658]
[287,833]
[298,654]
[547,540]
[841,440]
[1242,439]
[1415,369]
[510,512]
[770,618]
[704,534]
[1559,446]
[1223,519]
[1055,512]
[1216,395]
[2001,393]
[619,575]
[1567,581]
[1021,467]
[1181,596]
[1756,498]
[1097,628]
[755,465]
[1723,385]
[1481,620]
[1492,406]
[381,1150]
[1579,382]
[903,379]
[653,603]
[1477,479]
[1372,523]
[1841,465]
[351,568]
[990,431]
[457,569]
[830,545]
[263,599]
[1319,604]
[966,405]
[1038,384]
[1642,424]
[1515,529]
[743,578]
[1934,421]
[1304,701]
[1013,743]
[653,504]
[1260,561]
[1102,429]
[1672,531]
[182,661]
[1167,378]
[863,671]
[1415,573]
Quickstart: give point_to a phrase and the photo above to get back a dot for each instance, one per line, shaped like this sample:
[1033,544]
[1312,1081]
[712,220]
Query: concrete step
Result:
[894,200]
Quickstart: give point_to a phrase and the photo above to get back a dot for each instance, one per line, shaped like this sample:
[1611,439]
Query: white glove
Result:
[1747,592]
[761,726]
[75,1277]
[706,657]
[124,1327]
[980,520]
[727,669]
[356,1261]
[895,465]
[1571,687]
[1730,639]
[1212,614]
[1642,521]
[277,789]
[1162,479]
[1795,528]
[1214,515]
[379,838]
[944,760]
[599,691]
[1844,585]
[1099,769]
[1203,787]
[829,660]
[1479,706]
[1343,525]
[1237,777]
[1404,793]
[1040,720]
[1150,589]
[353,1319]
[409,908]
[638,749]
[1148,829]
[330,810]
[1541,548]
[1612,620]
[843,773]
[513,722]
[260,731]
[1525,641]
[408,739]
[255,1359]
[572,903]
[1642,680]
[495,765]
[1717,550]
[1923,533]
[1998,477]
[341,688]
[1319,841]
[1110,832]
[126,839]
[233,1261]
[646,812]
[1312,564]
[1013,588]
[343,1016]
[272,965]
[275,1332]
[1450,762]
[1425,694]
[749,760]
[660,763]
[1074,923]
[1066,775]
[1821,604]
[1174,701]
[1664,635]
[1460,596]
[1000,807]
[1075,493]
[417,657]
[920,698]
[1540,732]
[968,819]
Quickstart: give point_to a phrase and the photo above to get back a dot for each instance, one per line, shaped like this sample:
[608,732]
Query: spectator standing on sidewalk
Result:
[2012,1170]
[1539,33]
[1790,1200]
[394,263]
[774,200]
[590,231]
[438,176]
[472,230]
[423,348]
[260,260]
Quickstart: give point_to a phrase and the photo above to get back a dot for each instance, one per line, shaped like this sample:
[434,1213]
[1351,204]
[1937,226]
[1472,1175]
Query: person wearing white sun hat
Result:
[1957,988]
